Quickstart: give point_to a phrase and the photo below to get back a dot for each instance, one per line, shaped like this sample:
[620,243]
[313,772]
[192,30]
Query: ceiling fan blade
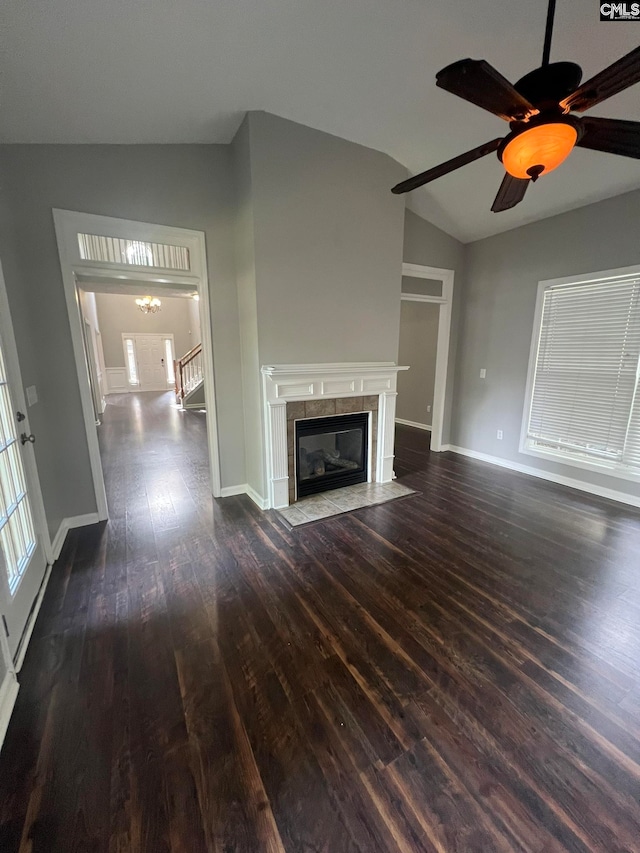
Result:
[444,168]
[618,76]
[511,192]
[479,83]
[612,135]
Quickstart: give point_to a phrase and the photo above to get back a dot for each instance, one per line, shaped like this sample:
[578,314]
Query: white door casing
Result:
[94,375]
[444,333]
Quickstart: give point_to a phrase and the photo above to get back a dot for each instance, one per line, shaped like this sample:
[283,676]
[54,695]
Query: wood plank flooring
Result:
[455,671]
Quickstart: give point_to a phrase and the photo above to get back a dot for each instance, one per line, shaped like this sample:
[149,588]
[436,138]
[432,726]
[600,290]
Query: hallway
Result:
[455,671]
[155,463]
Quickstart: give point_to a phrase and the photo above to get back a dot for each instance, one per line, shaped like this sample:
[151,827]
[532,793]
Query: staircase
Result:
[190,379]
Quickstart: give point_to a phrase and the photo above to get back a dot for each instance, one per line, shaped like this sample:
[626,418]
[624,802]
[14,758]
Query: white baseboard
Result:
[244,489]
[580,485]
[414,424]
[231,491]
[68,524]
[8,695]
[259,501]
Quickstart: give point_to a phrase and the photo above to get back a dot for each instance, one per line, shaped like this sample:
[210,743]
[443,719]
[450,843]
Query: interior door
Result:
[94,381]
[22,556]
[150,354]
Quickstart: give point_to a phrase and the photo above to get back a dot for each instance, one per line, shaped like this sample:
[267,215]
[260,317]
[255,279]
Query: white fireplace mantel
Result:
[283,383]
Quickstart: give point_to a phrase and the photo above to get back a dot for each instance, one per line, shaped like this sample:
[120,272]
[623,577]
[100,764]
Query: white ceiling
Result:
[165,71]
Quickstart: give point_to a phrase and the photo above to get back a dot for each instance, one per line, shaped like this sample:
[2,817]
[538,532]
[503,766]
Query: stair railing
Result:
[188,371]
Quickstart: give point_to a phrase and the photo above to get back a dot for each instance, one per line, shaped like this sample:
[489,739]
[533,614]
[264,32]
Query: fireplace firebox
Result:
[331,452]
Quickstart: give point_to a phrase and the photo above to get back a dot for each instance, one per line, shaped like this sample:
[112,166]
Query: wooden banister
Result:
[188,371]
[193,352]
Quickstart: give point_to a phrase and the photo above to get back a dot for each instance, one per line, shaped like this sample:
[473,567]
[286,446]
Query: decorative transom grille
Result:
[116,250]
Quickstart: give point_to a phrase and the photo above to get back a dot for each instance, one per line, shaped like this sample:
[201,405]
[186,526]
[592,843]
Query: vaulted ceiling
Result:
[133,71]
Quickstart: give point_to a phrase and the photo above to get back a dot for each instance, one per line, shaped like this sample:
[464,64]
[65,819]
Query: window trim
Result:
[611,469]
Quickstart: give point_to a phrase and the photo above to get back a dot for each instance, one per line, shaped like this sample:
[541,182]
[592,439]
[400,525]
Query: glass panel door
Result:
[17,535]
[22,561]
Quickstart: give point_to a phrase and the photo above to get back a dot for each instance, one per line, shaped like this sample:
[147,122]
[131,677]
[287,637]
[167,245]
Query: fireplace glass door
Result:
[331,452]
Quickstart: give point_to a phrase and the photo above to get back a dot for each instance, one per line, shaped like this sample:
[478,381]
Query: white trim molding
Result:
[414,424]
[8,695]
[283,383]
[117,382]
[445,303]
[580,485]
[244,489]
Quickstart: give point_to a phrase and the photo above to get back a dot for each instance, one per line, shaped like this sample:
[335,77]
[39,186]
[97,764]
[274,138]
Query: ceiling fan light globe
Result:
[547,145]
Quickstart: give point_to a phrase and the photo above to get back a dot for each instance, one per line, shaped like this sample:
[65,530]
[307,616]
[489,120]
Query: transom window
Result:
[584,400]
[116,250]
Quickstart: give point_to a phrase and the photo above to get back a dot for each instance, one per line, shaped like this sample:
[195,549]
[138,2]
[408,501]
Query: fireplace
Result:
[331,452]
[293,392]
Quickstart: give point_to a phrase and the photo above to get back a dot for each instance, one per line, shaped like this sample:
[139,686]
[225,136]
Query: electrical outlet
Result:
[499,434]
[483,373]
[429,407]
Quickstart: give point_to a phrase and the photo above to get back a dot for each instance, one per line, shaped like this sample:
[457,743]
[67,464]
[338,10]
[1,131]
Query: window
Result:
[168,360]
[115,250]
[132,367]
[583,405]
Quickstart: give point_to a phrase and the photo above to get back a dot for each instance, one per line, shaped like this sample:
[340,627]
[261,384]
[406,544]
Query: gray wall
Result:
[318,256]
[118,313]
[189,186]
[429,246]
[497,321]
[328,245]
[193,308]
[418,344]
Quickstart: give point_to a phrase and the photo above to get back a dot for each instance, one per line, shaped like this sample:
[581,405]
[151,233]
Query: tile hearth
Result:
[339,501]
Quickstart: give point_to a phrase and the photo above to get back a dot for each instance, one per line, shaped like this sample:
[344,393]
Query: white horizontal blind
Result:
[94,247]
[586,372]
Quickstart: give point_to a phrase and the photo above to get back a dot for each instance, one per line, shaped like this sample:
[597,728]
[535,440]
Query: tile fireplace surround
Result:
[294,391]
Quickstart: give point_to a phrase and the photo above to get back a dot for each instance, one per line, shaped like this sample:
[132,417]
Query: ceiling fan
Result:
[539,109]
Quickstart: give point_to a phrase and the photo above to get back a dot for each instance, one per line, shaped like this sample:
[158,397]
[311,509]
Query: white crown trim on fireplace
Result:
[284,383]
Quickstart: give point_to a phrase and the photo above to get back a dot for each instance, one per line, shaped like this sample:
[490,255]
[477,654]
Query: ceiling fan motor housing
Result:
[545,87]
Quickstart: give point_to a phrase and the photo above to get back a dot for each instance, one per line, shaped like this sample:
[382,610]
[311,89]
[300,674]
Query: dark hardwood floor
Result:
[455,671]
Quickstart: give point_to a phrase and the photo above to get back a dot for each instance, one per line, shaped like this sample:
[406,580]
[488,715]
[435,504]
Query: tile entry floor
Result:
[337,501]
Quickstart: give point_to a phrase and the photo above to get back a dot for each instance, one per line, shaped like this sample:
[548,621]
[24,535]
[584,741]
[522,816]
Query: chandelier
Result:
[148,304]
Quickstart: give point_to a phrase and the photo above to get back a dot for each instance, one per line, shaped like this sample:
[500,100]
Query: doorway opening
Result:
[425,327]
[150,445]
[105,258]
